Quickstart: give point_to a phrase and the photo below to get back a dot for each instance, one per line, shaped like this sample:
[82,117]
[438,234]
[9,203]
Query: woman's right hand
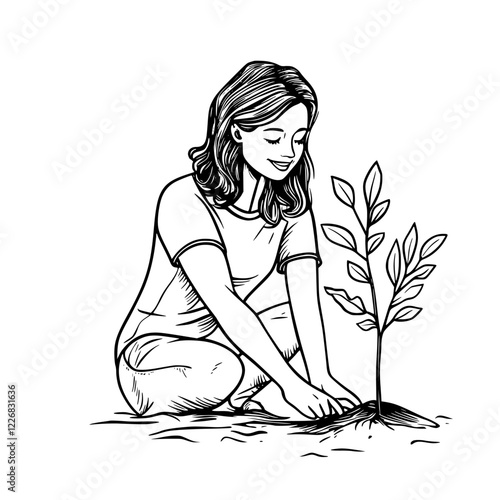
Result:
[309,401]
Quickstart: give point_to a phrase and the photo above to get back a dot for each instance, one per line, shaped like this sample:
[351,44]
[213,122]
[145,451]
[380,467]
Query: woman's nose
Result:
[287,151]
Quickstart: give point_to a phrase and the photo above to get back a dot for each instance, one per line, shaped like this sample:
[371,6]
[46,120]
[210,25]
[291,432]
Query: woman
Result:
[219,233]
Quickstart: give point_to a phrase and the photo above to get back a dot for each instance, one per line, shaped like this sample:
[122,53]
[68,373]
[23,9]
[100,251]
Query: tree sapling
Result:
[406,269]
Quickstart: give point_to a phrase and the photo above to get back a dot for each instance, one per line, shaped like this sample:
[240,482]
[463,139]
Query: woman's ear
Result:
[236,133]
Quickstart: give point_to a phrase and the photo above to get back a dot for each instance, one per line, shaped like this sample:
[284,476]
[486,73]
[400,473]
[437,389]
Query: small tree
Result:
[406,269]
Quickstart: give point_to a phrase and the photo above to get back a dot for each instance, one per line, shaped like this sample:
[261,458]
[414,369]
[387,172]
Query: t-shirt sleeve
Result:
[299,240]
[183,220]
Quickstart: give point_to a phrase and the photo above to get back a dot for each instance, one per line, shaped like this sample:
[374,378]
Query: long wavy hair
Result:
[258,94]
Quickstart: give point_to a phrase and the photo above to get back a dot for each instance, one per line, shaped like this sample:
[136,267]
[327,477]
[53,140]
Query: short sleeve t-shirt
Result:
[167,302]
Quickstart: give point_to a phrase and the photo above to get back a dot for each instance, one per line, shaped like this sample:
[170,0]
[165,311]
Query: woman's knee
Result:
[218,365]
[181,375]
[279,324]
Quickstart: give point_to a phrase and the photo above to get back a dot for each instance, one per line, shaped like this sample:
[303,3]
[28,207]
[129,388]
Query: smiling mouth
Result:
[281,165]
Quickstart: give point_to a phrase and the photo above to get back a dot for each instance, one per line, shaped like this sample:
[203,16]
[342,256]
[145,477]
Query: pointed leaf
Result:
[367,324]
[372,185]
[374,241]
[343,191]
[421,273]
[357,273]
[407,293]
[379,210]
[407,313]
[339,236]
[393,264]
[410,244]
[432,245]
[350,305]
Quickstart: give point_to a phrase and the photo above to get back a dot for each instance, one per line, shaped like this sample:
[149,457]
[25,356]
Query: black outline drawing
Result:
[277,106]
[406,270]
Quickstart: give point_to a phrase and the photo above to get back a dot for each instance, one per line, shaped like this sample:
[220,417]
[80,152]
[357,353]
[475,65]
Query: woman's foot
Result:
[251,405]
[248,406]
[226,407]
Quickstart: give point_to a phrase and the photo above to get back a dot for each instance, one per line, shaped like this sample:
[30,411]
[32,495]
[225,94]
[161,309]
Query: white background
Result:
[62,239]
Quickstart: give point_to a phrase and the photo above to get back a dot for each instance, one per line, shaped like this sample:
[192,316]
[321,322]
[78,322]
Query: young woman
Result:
[191,342]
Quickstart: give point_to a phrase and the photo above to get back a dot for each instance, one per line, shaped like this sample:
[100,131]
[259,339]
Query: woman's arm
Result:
[306,312]
[308,322]
[207,270]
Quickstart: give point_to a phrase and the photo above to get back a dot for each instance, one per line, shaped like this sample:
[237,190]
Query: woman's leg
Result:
[161,373]
[279,324]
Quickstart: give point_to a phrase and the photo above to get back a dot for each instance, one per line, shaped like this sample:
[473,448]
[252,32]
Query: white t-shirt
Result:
[167,302]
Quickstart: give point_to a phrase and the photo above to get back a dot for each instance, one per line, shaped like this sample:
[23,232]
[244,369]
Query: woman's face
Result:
[274,149]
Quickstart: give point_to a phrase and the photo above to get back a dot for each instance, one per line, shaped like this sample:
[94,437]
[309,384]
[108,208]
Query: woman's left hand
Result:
[334,388]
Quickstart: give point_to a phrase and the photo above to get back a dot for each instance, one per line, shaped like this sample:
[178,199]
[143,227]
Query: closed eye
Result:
[271,141]
[301,141]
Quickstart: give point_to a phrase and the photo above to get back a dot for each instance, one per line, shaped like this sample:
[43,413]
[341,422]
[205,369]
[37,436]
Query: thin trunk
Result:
[380,328]
[377,374]
[377,322]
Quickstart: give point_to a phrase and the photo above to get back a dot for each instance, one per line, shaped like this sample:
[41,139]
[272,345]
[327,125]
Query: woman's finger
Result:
[346,403]
[325,411]
[357,401]
[313,412]
[337,408]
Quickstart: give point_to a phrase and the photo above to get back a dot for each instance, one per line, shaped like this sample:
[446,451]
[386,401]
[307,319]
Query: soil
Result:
[356,430]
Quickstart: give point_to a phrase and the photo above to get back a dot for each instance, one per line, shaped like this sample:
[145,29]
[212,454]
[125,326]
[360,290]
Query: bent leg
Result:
[161,373]
[279,324]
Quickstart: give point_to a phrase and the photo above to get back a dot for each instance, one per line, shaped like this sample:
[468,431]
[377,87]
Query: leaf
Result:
[421,273]
[372,185]
[379,210]
[393,264]
[410,244]
[374,241]
[407,293]
[350,305]
[357,273]
[367,324]
[339,236]
[432,245]
[407,313]
[343,191]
